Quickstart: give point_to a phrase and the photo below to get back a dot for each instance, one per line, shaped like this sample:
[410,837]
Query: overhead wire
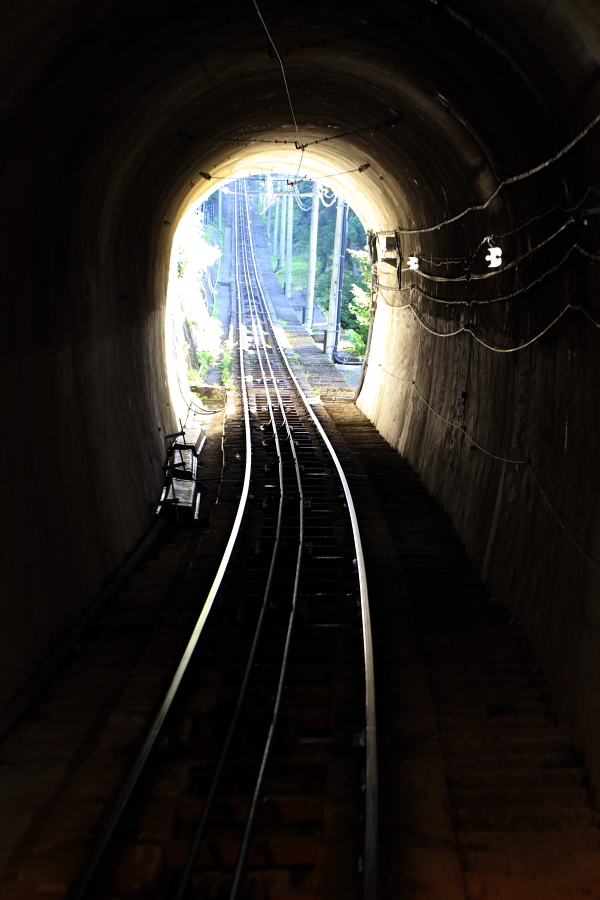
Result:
[567,308]
[361,168]
[387,123]
[516,462]
[287,90]
[587,253]
[561,523]
[297,176]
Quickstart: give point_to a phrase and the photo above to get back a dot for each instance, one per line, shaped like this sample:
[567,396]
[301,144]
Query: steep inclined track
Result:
[259,774]
[266,744]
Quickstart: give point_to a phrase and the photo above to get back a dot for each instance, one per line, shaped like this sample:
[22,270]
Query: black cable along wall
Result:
[494,400]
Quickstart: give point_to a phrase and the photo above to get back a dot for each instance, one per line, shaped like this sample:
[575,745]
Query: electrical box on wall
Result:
[389,252]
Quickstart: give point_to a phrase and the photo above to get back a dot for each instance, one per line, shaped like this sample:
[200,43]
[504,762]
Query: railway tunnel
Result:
[451,129]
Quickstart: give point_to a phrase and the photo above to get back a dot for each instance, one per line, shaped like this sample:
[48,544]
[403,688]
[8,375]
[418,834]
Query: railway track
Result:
[258,776]
[255,779]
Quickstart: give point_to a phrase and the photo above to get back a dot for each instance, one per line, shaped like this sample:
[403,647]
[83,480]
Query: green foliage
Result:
[194,377]
[299,273]
[214,234]
[357,342]
[357,269]
[225,365]
[359,306]
[205,361]
[359,309]
[363,262]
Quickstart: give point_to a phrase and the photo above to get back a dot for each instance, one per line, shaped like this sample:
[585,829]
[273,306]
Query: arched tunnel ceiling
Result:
[141,98]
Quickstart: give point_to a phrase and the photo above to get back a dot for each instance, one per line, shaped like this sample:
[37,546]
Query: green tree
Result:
[357,268]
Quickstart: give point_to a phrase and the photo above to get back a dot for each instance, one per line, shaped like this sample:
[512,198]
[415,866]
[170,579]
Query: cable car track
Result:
[275,752]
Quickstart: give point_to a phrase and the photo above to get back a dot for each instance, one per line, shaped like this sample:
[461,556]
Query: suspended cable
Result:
[297,179]
[568,307]
[299,167]
[514,462]
[300,145]
[441,334]
[469,328]
[512,180]
[561,523]
[441,260]
[331,202]
[387,123]
[362,168]
[491,300]
[585,252]
[494,272]
[298,199]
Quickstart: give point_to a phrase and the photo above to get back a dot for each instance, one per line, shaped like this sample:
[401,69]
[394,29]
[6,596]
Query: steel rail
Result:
[83,882]
[371,800]
[184,879]
[250,264]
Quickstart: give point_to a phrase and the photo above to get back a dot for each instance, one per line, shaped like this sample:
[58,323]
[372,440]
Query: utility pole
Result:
[276,228]
[282,230]
[269,198]
[312,258]
[220,193]
[337,275]
[289,254]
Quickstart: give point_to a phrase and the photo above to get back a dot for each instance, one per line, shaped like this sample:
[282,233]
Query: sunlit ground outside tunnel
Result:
[317,249]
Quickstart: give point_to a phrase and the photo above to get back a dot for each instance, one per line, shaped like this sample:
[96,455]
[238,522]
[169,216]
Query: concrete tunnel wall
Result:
[110,112]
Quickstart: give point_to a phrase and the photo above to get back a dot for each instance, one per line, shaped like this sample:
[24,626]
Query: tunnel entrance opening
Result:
[316,246]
